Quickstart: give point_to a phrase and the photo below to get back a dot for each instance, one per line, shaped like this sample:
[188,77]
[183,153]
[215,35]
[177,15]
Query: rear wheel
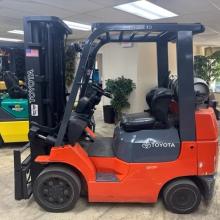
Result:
[182,196]
[57,189]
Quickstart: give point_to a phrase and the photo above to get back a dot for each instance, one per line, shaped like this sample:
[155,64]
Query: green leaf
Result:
[207,67]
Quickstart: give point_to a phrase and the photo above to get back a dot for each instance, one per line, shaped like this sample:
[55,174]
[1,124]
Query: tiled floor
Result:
[24,210]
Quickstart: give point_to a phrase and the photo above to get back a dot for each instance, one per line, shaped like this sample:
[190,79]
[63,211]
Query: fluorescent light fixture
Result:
[78,26]
[10,39]
[146,9]
[16,32]
[70,24]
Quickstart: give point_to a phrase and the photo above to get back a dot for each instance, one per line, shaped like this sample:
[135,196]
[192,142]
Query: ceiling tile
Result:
[77,6]
[34,8]
[182,7]
[90,11]
[114,15]
[111,2]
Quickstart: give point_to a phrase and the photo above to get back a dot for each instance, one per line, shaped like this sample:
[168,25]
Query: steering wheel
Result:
[101,90]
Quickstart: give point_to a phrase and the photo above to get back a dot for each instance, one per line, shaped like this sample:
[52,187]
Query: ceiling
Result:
[89,11]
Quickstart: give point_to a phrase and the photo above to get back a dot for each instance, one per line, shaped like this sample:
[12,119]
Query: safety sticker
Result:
[34,110]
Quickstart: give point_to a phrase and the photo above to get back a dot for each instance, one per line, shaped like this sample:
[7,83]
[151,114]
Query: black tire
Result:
[181,196]
[57,189]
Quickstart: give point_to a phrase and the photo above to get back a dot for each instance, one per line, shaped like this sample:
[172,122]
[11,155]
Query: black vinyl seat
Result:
[158,100]
[137,121]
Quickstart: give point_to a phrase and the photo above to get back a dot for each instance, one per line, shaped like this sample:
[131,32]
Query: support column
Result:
[186,86]
[162,63]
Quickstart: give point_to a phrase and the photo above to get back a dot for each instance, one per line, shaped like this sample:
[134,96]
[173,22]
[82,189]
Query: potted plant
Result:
[120,88]
[207,67]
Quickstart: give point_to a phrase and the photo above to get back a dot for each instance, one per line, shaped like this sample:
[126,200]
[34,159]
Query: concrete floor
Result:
[25,210]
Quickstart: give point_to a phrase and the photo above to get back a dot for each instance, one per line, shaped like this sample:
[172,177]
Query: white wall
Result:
[139,64]
[147,74]
[172,58]
[118,61]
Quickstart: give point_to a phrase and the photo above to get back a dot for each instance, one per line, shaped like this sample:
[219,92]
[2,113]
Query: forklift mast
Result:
[44,41]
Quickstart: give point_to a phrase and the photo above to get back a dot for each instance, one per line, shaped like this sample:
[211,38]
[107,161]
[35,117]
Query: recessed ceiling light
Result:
[146,9]
[10,39]
[78,26]
[16,32]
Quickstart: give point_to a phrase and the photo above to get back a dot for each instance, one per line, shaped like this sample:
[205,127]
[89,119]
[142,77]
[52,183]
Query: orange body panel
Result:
[142,182]
[74,156]
[139,182]
[206,125]
[207,141]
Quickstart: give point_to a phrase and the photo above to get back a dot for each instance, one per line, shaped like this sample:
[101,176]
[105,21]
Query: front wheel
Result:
[57,189]
[182,196]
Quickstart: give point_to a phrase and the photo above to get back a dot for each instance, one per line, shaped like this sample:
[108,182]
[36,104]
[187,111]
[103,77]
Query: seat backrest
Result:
[160,103]
[150,95]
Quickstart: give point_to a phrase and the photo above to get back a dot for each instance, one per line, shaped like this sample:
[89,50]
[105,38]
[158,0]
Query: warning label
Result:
[34,110]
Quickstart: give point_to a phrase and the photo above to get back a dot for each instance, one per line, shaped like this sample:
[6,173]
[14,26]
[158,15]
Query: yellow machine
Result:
[14,131]
[14,124]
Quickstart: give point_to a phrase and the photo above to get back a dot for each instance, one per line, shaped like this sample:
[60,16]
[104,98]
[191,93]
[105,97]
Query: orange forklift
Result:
[170,151]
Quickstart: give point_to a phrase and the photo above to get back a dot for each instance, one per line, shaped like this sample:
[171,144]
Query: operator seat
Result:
[158,100]
[12,85]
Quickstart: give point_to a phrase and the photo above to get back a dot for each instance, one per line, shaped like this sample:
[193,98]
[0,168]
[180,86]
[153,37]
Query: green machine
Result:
[18,108]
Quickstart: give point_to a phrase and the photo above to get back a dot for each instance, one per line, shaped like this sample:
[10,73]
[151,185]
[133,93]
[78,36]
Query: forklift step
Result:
[106,177]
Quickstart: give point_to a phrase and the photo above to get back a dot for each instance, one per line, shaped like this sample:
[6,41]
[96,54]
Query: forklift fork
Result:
[23,186]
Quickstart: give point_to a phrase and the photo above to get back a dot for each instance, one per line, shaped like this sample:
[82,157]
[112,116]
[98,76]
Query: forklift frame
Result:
[105,33]
[46,67]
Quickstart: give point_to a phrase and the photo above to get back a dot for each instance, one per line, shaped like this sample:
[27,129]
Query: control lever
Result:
[102,91]
[108,95]
[48,139]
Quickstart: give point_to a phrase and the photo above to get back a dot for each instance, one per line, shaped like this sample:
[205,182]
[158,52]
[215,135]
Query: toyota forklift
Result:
[170,151]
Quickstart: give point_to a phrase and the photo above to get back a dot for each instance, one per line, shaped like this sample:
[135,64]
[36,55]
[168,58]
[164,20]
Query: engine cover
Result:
[146,145]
